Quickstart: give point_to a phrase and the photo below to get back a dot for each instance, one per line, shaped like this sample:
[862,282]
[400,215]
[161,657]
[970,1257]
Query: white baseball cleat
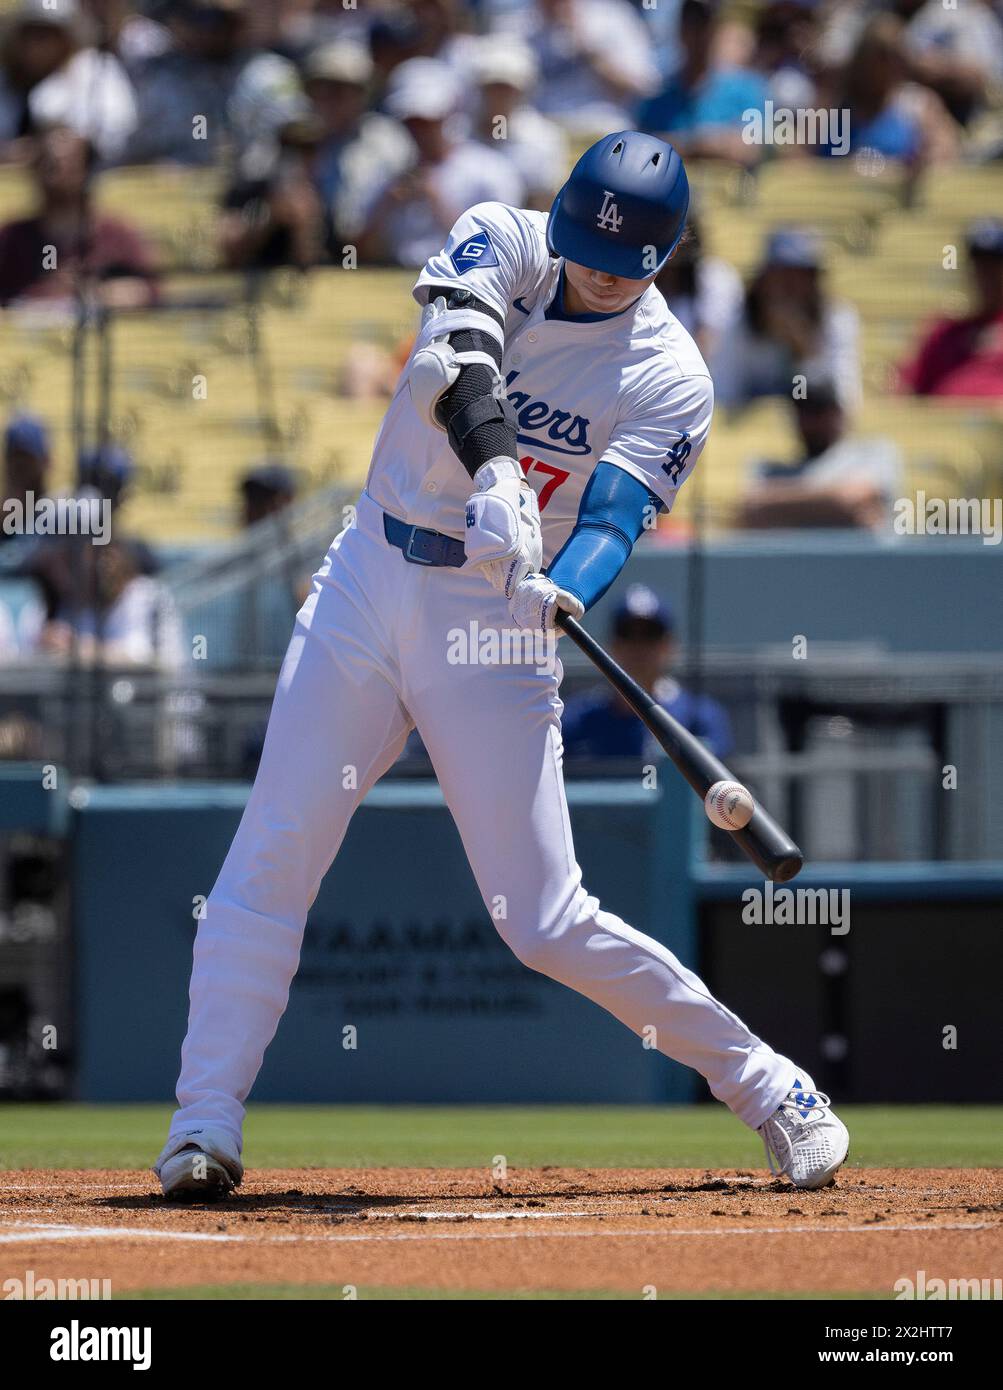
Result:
[199,1165]
[804,1140]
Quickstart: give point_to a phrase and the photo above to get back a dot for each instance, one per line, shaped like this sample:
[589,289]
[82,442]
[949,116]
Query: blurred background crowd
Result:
[210,215]
[375,124]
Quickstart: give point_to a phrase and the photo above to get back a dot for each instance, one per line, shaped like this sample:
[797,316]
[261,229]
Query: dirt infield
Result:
[674,1230]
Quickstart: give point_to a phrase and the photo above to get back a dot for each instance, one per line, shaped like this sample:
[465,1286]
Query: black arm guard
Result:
[479,421]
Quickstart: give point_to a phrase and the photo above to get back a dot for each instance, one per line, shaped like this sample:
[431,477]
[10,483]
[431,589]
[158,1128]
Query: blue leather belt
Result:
[421,546]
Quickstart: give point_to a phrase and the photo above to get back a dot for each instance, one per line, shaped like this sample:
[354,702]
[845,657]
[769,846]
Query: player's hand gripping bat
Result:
[771,849]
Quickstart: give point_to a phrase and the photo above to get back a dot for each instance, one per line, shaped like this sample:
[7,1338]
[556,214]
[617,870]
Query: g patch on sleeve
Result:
[475,253]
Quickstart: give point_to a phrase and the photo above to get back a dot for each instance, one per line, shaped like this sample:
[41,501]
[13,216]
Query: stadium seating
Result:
[274,370]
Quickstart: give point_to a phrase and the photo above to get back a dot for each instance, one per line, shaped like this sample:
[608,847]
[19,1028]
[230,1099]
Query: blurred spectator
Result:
[23,483]
[358,149]
[115,613]
[96,585]
[662,23]
[704,292]
[889,115]
[265,490]
[64,565]
[211,88]
[964,356]
[117,28]
[49,77]
[955,49]
[393,40]
[701,108]
[599,724]
[296,27]
[26,459]
[369,371]
[790,327]
[85,241]
[440,32]
[785,39]
[595,59]
[500,14]
[105,472]
[105,475]
[412,213]
[505,120]
[836,479]
[267,99]
[276,217]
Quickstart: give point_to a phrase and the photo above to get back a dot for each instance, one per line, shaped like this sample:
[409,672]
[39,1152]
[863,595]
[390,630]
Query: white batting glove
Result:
[535,602]
[504,538]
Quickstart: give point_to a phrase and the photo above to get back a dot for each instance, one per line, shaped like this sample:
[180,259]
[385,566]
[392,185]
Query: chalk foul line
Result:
[29,1232]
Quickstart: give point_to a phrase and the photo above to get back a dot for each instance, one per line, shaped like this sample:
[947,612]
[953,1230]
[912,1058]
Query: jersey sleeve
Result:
[490,252]
[660,437]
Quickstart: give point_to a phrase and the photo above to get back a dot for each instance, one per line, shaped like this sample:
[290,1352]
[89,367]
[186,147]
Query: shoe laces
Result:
[787,1121]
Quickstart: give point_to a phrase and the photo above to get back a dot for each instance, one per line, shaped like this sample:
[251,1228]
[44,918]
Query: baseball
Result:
[729,805]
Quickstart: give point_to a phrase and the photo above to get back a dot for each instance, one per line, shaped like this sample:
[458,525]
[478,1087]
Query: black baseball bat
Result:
[769,847]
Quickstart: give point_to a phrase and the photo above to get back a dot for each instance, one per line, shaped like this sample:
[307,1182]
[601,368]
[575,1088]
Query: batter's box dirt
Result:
[678,1230]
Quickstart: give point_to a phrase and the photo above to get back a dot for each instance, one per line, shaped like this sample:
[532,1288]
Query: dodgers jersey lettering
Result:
[632,390]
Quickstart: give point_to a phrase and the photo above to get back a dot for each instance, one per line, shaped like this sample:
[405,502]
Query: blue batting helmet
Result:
[623,209]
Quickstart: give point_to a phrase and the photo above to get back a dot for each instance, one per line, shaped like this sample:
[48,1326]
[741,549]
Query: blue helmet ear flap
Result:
[555,205]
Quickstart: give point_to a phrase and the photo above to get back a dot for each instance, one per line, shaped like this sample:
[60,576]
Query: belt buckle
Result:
[409,554]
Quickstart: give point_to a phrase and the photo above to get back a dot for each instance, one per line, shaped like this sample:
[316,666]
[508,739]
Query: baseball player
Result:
[550,406]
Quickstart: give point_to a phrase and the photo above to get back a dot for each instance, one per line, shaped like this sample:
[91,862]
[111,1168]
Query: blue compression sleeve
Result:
[610,519]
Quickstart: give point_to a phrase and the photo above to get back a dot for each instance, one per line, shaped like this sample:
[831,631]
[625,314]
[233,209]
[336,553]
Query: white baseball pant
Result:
[368,660]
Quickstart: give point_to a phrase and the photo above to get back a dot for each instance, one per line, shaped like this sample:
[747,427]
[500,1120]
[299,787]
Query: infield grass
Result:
[305,1136]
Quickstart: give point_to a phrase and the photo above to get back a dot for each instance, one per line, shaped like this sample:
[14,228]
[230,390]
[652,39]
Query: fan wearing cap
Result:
[964,356]
[35,45]
[550,407]
[213,89]
[50,76]
[505,120]
[265,491]
[98,586]
[790,327]
[599,725]
[272,213]
[704,292]
[837,479]
[358,149]
[26,460]
[411,213]
[114,610]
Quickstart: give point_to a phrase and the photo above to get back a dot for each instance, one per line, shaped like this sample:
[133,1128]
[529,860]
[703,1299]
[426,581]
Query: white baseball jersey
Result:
[630,388]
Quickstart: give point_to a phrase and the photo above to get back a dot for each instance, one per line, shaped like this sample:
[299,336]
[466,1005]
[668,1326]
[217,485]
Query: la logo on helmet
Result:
[609,214]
